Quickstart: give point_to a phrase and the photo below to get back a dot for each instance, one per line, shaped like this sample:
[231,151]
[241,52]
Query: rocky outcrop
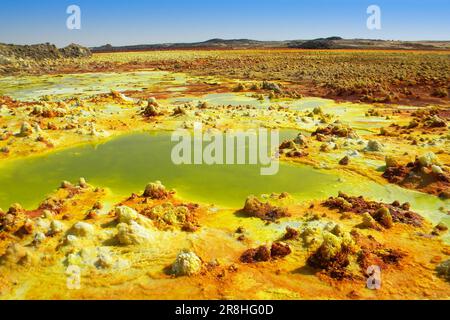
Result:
[426,174]
[41,51]
[265,210]
[16,58]
[75,51]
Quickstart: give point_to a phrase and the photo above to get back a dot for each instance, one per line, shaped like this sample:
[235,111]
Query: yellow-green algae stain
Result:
[85,84]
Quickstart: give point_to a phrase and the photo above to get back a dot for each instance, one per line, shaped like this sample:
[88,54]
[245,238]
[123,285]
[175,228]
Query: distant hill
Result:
[339,43]
[41,51]
[212,43]
[321,43]
[17,58]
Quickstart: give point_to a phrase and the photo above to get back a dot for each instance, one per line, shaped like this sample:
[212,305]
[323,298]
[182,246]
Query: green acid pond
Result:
[127,163]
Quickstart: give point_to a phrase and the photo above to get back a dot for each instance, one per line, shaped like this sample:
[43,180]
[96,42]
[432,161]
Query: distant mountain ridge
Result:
[321,43]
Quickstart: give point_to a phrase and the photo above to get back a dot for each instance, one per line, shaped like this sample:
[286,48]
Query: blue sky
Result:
[139,21]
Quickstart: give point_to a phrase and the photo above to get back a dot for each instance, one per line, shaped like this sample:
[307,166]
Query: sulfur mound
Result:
[259,254]
[384,217]
[12,220]
[132,233]
[151,111]
[291,234]
[279,250]
[369,222]
[120,97]
[426,174]
[374,146]
[16,254]
[434,122]
[169,215]
[82,229]
[443,270]
[391,162]
[294,148]
[271,86]
[333,254]
[126,214]
[335,129]
[384,214]
[187,263]
[310,236]
[264,210]
[156,190]
[266,253]
[25,130]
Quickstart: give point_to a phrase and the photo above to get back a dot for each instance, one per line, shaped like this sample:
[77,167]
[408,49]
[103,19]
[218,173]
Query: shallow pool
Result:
[126,164]
[84,84]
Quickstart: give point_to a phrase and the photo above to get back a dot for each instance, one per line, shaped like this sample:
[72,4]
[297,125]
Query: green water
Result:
[126,164]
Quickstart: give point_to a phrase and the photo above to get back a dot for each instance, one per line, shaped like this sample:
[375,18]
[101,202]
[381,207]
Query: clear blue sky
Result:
[138,21]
